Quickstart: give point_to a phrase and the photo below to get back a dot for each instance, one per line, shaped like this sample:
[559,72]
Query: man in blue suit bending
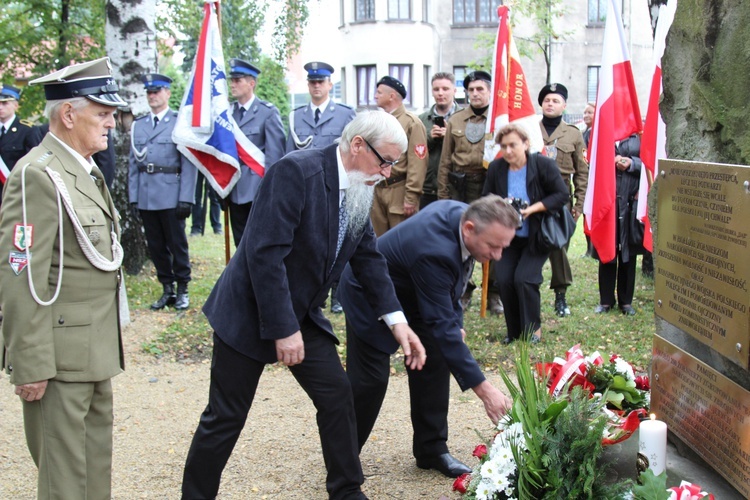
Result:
[430,257]
[310,217]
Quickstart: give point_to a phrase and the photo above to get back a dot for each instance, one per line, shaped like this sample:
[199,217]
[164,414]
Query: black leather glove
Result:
[183,209]
[134,210]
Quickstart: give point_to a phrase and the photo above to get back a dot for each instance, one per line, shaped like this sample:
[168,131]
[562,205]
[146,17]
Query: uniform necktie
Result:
[468,269]
[241,112]
[317,115]
[156,121]
[2,130]
[343,222]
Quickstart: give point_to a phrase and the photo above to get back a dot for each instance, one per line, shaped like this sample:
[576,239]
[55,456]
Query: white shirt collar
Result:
[87,165]
[464,252]
[247,104]
[160,115]
[8,123]
[343,178]
[322,107]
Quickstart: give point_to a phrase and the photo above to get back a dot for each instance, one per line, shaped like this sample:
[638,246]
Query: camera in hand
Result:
[519,205]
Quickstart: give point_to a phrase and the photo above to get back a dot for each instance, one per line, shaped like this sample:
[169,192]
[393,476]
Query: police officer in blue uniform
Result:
[260,121]
[17,137]
[162,188]
[319,123]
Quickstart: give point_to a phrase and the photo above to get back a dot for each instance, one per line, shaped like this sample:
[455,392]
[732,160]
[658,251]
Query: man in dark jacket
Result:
[430,257]
[310,217]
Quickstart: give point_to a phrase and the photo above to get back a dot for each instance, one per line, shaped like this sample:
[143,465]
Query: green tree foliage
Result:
[543,15]
[241,23]
[39,36]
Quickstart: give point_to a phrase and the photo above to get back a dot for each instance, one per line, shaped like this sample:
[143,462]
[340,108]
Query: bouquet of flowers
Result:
[546,447]
[626,395]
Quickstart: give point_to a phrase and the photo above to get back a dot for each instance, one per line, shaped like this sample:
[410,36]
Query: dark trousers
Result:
[426,199]
[200,208]
[234,380]
[621,273]
[562,276]
[238,215]
[518,275]
[167,244]
[368,370]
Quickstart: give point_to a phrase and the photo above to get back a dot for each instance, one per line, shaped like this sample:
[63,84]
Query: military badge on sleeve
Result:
[421,151]
[18,261]
[23,236]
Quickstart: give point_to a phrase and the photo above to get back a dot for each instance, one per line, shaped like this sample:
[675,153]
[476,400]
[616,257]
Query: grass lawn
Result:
[188,335]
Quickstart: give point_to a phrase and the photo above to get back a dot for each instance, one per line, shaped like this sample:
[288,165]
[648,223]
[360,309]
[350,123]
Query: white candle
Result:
[652,443]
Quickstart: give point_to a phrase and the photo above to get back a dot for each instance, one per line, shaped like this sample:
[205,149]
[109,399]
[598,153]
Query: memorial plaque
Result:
[706,410]
[701,281]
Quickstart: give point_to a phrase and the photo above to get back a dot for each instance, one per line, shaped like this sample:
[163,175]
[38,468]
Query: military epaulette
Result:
[300,107]
[44,159]
[267,104]
[26,122]
[143,116]
[174,113]
[344,105]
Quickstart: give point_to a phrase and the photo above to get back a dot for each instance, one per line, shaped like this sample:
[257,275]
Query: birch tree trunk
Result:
[131,45]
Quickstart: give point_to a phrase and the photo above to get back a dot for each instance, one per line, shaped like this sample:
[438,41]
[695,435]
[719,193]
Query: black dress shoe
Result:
[507,340]
[628,310]
[446,464]
[167,298]
[601,309]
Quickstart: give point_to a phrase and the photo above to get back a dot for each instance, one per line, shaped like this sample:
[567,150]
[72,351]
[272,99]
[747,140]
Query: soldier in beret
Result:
[461,173]
[61,326]
[319,123]
[161,188]
[564,144]
[397,197]
[260,121]
[17,136]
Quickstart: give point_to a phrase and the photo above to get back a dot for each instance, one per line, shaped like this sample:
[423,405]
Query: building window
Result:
[426,11]
[364,10]
[592,83]
[597,12]
[460,73]
[367,78]
[399,9]
[475,11]
[402,72]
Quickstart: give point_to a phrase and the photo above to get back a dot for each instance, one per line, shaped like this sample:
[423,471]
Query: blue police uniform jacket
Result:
[158,190]
[18,140]
[330,124]
[262,125]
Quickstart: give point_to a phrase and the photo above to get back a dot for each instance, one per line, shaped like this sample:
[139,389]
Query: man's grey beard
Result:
[359,200]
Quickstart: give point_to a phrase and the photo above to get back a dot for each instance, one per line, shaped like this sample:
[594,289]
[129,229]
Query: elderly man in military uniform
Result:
[462,172]
[161,187]
[260,121]
[397,197]
[319,123]
[61,327]
[435,120]
[17,136]
[563,142]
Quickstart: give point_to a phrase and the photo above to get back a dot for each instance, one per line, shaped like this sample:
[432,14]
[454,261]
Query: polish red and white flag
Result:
[510,101]
[653,142]
[617,116]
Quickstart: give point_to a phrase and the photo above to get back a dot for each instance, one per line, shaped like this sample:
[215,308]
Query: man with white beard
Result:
[309,218]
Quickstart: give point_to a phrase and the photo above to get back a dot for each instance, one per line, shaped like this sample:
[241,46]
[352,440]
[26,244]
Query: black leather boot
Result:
[167,298]
[182,301]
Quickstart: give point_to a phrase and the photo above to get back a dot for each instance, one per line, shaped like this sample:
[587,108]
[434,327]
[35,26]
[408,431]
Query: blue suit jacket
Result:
[281,275]
[262,125]
[329,127]
[159,191]
[424,262]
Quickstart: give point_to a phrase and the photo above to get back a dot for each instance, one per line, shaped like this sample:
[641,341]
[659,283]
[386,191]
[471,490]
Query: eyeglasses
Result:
[383,162]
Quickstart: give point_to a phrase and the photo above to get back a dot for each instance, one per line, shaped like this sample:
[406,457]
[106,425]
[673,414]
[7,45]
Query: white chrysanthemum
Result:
[624,368]
[485,490]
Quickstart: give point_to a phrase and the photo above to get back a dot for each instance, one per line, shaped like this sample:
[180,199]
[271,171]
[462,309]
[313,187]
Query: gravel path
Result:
[157,406]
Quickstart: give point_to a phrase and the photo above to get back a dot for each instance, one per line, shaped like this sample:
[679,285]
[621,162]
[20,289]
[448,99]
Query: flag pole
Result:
[227,249]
